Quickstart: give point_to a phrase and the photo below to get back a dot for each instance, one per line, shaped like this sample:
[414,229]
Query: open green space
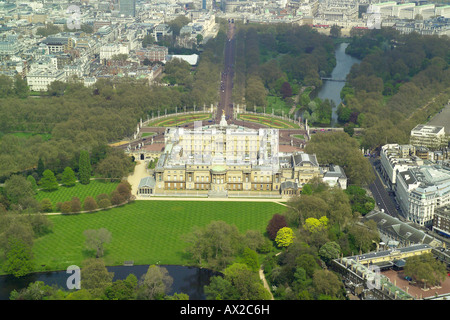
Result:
[45,136]
[146,232]
[268,121]
[147,134]
[175,120]
[93,189]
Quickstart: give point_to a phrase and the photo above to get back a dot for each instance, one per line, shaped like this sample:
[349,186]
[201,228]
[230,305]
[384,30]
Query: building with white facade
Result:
[112,49]
[432,137]
[39,80]
[421,190]
[227,160]
[395,158]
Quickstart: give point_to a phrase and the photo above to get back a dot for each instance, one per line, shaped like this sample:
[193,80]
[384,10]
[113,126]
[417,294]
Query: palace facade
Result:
[228,160]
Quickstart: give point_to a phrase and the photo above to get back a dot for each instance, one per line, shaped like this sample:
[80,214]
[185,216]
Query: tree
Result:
[116,198]
[114,166]
[95,240]
[32,180]
[21,87]
[84,173]
[215,245]
[329,251]
[48,181]
[19,258]
[95,277]
[40,167]
[335,31]
[425,269]
[56,88]
[18,187]
[277,222]
[68,177]
[75,204]
[250,259]
[104,203]
[155,284]
[90,204]
[46,205]
[316,225]
[285,237]
[327,283]
[122,289]
[286,90]
[124,189]
[238,283]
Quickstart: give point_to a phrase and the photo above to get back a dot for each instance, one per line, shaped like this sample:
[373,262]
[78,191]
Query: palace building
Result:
[228,160]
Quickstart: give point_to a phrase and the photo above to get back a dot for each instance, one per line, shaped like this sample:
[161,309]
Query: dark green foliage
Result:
[68,177]
[48,181]
[84,167]
[19,258]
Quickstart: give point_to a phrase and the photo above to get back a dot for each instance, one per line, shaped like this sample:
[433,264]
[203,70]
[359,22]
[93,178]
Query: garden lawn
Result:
[93,189]
[146,232]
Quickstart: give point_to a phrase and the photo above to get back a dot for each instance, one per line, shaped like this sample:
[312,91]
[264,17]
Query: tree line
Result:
[278,60]
[402,80]
[97,283]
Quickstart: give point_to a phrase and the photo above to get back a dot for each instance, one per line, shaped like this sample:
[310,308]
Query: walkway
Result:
[140,171]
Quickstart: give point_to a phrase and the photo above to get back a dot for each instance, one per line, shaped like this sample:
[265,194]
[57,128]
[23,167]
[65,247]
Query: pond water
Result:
[331,90]
[188,280]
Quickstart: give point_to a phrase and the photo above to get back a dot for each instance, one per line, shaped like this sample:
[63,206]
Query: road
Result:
[226,77]
[381,195]
[225,103]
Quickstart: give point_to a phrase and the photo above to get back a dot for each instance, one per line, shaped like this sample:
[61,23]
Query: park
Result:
[146,232]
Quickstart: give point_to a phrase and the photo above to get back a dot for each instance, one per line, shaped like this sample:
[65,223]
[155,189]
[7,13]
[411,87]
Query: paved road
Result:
[226,81]
[442,118]
[381,195]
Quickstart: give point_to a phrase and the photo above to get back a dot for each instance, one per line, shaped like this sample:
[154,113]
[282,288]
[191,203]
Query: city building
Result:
[334,175]
[153,53]
[441,223]
[421,190]
[227,160]
[128,7]
[395,158]
[395,233]
[40,79]
[432,137]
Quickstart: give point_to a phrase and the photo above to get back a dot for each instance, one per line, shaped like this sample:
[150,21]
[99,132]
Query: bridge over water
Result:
[331,79]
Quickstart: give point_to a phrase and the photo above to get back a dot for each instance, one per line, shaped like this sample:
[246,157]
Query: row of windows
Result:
[230,187]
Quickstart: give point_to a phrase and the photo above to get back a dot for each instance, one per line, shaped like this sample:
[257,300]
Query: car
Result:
[408,278]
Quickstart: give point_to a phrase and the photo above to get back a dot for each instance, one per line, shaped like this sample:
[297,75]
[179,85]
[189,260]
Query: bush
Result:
[46,205]
[104,203]
[90,204]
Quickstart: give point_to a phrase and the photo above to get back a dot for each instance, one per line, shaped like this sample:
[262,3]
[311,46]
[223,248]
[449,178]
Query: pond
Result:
[331,90]
[188,280]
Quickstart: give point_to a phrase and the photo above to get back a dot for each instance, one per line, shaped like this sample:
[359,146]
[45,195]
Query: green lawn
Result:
[45,136]
[178,120]
[268,120]
[94,188]
[146,232]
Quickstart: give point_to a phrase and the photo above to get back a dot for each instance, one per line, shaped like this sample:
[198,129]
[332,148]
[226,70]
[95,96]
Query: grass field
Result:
[146,232]
[268,121]
[173,121]
[45,136]
[94,188]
